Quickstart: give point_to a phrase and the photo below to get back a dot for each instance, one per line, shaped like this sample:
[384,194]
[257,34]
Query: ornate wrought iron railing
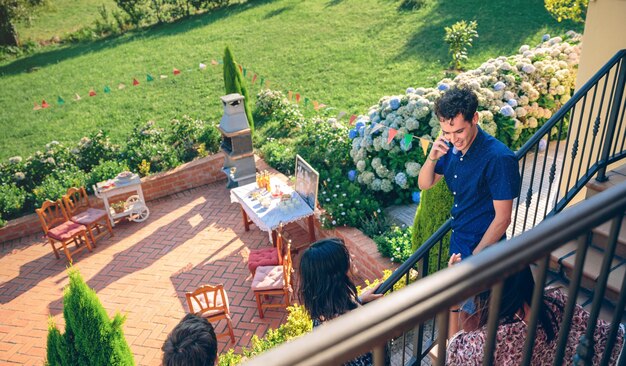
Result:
[581,140]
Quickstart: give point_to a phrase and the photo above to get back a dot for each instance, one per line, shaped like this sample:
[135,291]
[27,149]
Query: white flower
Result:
[343,194]
[343,214]
[412,168]
[529,69]
[334,194]
[336,185]
[334,222]
[357,201]
[19,176]
[328,200]
[15,159]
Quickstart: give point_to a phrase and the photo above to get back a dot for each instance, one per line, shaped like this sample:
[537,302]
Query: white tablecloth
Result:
[268,219]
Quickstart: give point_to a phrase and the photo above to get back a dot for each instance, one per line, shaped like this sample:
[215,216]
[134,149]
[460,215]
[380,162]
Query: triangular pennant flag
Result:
[297,97]
[341,114]
[220,62]
[375,127]
[135,82]
[290,95]
[121,86]
[262,81]
[425,144]
[107,89]
[77,97]
[213,62]
[44,104]
[352,119]
[306,101]
[36,107]
[60,101]
[149,77]
[254,78]
[407,139]
[163,76]
[322,105]
[240,69]
[202,66]
[92,93]
[176,71]
[316,105]
[245,71]
[392,133]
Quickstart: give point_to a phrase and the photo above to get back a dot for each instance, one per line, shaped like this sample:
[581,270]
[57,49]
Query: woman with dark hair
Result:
[326,289]
[467,346]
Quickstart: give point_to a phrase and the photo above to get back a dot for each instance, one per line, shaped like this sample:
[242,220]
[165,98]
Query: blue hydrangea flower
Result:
[373,114]
[507,111]
[443,86]
[394,103]
[359,125]
[415,196]
[352,175]
[361,130]
[512,102]
[499,86]
[352,134]
[546,37]
[410,90]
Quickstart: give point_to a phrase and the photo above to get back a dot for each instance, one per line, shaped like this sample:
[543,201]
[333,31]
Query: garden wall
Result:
[186,176]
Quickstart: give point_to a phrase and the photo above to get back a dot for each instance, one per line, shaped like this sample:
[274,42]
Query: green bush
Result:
[12,200]
[54,159]
[55,186]
[211,137]
[105,170]
[395,244]
[280,155]
[235,83]
[13,171]
[184,136]
[148,143]
[375,225]
[90,337]
[136,9]
[458,37]
[433,211]
[93,149]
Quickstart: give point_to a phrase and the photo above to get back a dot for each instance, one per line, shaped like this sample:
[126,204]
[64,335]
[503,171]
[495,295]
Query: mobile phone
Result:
[448,143]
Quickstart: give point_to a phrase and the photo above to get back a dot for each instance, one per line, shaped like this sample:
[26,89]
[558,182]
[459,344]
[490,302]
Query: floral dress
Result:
[362,360]
[466,348]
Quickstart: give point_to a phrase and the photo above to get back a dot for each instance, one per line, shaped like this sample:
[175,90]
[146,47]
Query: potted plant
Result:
[118,207]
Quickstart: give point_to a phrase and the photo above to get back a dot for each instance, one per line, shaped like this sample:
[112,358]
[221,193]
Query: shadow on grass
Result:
[62,53]
[496,29]
[277,12]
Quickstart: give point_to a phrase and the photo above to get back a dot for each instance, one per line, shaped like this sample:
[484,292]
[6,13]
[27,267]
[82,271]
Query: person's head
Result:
[456,111]
[192,343]
[517,293]
[326,289]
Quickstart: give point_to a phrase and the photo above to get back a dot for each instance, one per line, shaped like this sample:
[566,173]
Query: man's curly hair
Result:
[191,343]
[455,101]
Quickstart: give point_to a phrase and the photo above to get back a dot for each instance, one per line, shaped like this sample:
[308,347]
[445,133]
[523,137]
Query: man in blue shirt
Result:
[481,172]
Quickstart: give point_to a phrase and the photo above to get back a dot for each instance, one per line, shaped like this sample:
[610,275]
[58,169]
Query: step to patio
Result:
[402,214]
[601,237]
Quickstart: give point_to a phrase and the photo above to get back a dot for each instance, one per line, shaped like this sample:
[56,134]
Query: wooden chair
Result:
[80,211]
[58,228]
[267,256]
[211,302]
[273,281]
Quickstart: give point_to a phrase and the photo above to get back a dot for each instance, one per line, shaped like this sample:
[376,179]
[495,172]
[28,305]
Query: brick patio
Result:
[191,238]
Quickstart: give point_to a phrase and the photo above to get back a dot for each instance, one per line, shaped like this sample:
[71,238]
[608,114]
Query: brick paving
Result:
[192,238]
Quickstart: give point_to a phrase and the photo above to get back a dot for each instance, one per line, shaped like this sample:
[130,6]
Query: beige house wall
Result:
[604,36]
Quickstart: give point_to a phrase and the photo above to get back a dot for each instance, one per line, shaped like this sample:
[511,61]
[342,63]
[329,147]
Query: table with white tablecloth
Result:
[270,218]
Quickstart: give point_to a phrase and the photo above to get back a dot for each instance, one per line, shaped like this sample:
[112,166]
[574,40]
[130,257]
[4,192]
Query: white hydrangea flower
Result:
[386,185]
[360,166]
[376,184]
[412,168]
[15,159]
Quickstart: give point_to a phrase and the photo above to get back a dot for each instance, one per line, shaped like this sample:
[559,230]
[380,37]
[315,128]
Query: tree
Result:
[235,83]
[10,12]
[433,211]
[574,10]
[459,36]
[90,338]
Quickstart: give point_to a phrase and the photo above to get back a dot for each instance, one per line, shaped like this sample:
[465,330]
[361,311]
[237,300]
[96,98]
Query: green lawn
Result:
[344,53]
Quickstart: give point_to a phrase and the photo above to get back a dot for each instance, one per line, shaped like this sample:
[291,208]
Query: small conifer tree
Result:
[433,211]
[235,83]
[90,337]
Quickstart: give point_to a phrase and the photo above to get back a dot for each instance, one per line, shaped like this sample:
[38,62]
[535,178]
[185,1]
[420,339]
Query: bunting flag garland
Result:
[316,105]
[202,66]
[392,133]
[425,144]
[240,69]
[107,89]
[135,82]
[60,101]
[92,93]
[36,107]
[163,76]
[254,78]
[306,101]
[77,97]
[149,77]
[176,71]
[121,86]
[298,98]
[407,139]
[44,104]
[290,95]
[245,71]
[375,127]
[213,62]
[352,119]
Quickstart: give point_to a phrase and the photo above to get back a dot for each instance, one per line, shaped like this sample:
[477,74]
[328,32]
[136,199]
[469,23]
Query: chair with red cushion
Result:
[273,281]
[267,256]
[59,229]
[211,302]
[80,211]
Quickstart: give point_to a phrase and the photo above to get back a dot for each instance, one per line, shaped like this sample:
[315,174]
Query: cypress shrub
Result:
[433,211]
[235,83]
[90,337]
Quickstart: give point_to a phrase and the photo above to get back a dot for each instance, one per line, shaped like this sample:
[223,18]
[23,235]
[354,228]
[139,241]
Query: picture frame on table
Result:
[307,182]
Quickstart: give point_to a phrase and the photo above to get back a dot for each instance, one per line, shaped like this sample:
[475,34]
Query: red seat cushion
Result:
[262,257]
[66,230]
[89,216]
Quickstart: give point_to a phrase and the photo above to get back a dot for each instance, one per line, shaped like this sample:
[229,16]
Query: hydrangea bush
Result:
[517,95]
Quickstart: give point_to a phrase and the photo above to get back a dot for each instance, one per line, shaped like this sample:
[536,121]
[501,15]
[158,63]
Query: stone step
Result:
[601,237]
[615,177]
